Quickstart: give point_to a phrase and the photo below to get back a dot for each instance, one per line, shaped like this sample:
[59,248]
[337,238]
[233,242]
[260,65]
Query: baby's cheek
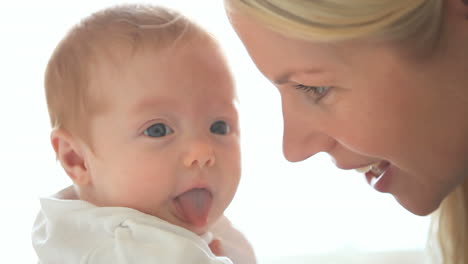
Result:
[140,192]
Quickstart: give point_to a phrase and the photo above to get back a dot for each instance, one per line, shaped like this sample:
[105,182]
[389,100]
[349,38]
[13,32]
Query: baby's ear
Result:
[69,151]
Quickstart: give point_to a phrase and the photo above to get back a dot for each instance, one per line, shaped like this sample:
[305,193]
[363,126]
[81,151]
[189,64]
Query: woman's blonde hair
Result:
[449,227]
[111,35]
[415,21]
[335,20]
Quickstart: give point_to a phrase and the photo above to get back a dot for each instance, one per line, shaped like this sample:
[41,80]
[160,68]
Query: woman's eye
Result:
[158,130]
[317,92]
[219,127]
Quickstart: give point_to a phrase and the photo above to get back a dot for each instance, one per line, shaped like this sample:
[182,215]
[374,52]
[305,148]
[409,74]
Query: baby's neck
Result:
[68,193]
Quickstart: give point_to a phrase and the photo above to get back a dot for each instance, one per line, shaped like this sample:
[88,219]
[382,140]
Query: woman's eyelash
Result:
[306,88]
[319,90]
[316,92]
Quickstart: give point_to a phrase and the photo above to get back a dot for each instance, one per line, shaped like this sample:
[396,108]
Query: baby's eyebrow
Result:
[150,103]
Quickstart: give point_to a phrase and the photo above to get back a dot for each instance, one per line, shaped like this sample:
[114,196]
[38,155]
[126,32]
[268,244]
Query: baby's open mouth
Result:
[194,206]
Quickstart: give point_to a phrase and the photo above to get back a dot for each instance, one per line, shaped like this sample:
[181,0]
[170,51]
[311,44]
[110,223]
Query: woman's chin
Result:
[417,205]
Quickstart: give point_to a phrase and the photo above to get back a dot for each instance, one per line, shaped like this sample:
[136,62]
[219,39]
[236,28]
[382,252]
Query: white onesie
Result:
[75,231]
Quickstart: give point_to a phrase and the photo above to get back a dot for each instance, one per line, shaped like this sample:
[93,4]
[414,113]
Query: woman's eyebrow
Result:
[284,78]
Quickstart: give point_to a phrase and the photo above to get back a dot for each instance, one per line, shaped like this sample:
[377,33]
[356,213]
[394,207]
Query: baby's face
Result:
[168,145]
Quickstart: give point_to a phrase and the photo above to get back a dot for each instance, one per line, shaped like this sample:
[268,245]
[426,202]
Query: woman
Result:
[381,86]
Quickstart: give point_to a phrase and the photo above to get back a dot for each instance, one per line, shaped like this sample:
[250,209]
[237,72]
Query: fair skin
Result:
[369,103]
[167,143]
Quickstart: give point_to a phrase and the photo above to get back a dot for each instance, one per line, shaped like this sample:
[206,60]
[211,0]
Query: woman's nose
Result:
[200,154]
[298,146]
[301,138]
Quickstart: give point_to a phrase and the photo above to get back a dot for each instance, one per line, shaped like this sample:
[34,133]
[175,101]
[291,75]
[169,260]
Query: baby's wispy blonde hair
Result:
[110,35]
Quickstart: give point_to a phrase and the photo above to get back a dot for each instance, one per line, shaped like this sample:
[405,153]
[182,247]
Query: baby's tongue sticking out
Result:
[194,206]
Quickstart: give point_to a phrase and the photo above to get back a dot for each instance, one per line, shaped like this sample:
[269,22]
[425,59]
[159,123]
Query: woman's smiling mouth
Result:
[375,171]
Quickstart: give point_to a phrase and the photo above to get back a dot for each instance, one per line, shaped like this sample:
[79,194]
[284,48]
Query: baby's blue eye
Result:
[219,127]
[158,130]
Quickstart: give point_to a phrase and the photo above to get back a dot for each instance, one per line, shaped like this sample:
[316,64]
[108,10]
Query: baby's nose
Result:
[200,154]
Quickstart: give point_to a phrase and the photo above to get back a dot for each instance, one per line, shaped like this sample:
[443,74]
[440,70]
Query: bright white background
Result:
[285,209]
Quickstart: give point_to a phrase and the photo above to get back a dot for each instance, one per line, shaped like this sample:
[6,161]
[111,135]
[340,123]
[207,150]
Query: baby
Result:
[143,110]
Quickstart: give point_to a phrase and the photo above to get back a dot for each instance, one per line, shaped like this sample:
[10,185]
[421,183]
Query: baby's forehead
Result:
[113,51]
[117,60]
[195,70]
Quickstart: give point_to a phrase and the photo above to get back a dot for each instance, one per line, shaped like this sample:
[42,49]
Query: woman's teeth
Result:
[367,168]
[375,168]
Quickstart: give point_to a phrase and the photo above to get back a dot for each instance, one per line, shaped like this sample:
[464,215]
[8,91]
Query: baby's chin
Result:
[197,229]
[200,230]
[175,220]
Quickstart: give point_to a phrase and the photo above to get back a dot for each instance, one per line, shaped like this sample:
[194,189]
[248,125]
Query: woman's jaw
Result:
[415,195]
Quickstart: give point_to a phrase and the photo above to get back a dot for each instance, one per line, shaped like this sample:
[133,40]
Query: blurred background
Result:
[291,212]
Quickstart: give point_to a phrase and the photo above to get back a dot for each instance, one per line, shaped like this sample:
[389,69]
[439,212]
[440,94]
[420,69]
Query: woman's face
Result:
[368,104]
